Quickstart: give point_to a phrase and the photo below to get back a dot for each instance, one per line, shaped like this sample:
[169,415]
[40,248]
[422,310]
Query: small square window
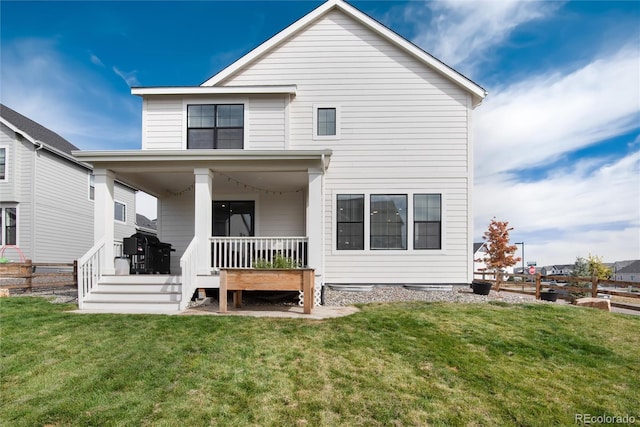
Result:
[326,121]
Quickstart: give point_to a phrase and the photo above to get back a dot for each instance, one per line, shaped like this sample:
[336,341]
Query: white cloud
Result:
[129,78]
[95,60]
[577,212]
[539,119]
[461,32]
[73,99]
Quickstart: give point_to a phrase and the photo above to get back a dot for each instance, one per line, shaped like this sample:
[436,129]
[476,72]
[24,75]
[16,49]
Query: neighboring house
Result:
[557,270]
[344,144]
[46,195]
[479,252]
[145,225]
[628,273]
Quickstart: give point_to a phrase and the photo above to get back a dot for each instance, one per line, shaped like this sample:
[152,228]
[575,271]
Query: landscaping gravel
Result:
[461,294]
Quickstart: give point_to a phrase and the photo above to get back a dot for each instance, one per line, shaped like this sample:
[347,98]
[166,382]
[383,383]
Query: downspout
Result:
[322,239]
[34,210]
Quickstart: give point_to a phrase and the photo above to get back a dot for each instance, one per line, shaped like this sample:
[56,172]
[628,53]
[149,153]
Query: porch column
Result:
[103,212]
[203,217]
[314,220]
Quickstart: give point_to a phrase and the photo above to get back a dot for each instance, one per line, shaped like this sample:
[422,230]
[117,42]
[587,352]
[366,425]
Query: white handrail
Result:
[243,252]
[90,270]
[189,266]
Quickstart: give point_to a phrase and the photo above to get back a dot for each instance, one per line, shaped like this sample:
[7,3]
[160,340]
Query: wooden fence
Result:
[30,276]
[536,284]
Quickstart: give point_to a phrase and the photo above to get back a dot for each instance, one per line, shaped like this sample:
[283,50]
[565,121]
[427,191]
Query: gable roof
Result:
[33,131]
[634,267]
[477,92]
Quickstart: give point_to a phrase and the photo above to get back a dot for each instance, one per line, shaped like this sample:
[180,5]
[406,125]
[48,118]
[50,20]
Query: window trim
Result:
[3,234]
[6,162]
[210,101]
[126,208]
[314,131]
[91,185]
[410,223]
[426,222]
[337,228]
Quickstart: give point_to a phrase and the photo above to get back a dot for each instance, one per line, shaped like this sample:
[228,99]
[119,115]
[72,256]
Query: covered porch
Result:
[218,208]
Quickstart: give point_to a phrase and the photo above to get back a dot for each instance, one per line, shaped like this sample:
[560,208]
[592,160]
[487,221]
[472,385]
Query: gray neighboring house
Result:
[146,225]
[629,272]
[46,195]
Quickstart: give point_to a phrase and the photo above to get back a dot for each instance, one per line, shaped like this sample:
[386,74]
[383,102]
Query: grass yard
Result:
[412,364]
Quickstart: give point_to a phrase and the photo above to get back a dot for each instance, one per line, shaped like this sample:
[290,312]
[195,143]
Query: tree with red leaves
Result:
[499,253]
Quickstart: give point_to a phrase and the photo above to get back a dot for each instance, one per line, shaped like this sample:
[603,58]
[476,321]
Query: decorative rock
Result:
[599,303]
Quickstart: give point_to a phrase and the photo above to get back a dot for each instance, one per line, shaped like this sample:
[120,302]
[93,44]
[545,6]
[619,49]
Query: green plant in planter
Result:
[4,260]
[278,262]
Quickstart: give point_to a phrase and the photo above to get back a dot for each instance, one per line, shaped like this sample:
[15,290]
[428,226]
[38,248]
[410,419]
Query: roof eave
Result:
[218,90]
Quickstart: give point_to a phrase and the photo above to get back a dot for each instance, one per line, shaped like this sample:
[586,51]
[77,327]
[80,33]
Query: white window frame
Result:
[315,135]
[3,235]
[89,187]
[217,101]
[6,162]
[410,221]
[126,209]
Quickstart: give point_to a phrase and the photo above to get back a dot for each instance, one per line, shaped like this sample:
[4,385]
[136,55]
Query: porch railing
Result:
[189,266]
[90,270]
[243,252]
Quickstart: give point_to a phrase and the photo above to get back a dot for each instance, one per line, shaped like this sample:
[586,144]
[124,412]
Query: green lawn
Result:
[389,365]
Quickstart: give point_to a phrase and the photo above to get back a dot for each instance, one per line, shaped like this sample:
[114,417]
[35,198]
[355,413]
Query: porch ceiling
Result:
[168,172]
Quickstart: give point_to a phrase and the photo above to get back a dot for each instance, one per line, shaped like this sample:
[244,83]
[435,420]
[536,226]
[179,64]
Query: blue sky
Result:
[557,150]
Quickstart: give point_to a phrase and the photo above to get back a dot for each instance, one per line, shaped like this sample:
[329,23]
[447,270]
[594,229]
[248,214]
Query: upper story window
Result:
[120,212]
[326,121]
[92,187]
[3,163]
[215,126]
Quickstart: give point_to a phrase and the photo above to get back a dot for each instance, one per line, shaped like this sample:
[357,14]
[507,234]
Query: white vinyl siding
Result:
[165,128]
[162,124]
[404,129]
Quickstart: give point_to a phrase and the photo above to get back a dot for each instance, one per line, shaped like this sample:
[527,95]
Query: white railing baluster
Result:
[243,252]
[89,271]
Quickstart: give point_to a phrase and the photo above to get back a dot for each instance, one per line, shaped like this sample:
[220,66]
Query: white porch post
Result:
[314,221]
[203,217]
[103,215]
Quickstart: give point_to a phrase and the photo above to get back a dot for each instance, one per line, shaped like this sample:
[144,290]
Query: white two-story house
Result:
[46,195]
[336,142]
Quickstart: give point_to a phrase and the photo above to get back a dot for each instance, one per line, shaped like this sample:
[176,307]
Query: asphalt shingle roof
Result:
[36,130]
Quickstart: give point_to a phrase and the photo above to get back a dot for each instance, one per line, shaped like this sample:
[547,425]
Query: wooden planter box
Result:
[241,279]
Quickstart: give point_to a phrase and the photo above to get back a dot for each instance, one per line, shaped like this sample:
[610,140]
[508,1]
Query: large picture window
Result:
[388,221]
[427,221]
[215,126]
[350,221]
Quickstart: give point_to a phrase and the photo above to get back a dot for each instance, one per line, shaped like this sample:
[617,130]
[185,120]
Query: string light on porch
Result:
[258,189]
[183,192]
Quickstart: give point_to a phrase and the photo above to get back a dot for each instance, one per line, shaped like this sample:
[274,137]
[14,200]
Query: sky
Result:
[557,140]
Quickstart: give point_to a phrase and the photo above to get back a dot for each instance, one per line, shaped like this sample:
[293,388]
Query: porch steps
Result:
[154,294]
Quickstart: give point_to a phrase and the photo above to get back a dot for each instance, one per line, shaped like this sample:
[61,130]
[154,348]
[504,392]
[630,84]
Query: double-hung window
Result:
[350,221]
[3,163]
[427,221]
[8,226]
[120,212]
[215,126]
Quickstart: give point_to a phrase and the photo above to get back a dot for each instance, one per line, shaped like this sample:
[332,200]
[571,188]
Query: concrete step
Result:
[133,307]
[126,296]
[132,279]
